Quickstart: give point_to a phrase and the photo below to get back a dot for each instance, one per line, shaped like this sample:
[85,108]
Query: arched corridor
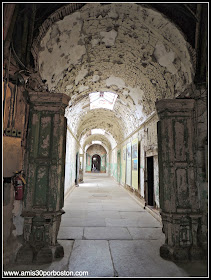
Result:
[113,144]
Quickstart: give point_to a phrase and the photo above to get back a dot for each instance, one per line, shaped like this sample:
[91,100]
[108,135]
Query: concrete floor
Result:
[107,233]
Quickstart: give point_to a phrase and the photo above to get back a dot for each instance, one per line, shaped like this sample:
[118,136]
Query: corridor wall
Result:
[113,164]
[123,162]
[128,165]
[88,162]
[135,163]
[103,163]
[72,147]
[134,150]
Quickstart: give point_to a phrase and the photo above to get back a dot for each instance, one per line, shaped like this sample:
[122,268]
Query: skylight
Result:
[98,131]
[96,142]
[104,100]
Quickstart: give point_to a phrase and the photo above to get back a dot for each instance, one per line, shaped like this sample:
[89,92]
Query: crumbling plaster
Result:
[98,137]
[96,149]
[121,47]
[127,49]
[72,147]
[106,138]
[104,119]
[124,108]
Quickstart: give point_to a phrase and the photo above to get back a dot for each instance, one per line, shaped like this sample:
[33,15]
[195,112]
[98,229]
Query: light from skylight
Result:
[98,131]
[97,142]
[104,100]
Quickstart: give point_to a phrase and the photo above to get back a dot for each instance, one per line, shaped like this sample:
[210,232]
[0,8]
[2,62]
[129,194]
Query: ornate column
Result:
[179,199]
[44,169]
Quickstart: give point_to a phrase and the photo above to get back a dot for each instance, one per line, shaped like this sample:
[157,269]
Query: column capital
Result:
[48,100]
[174,105]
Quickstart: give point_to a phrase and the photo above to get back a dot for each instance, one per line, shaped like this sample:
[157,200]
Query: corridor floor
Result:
[107,233]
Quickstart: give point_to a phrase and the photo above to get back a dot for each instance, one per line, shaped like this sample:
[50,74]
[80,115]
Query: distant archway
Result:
[96,163]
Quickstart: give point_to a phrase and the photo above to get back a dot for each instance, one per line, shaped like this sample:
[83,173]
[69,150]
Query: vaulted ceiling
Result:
[127,49]
[141,52]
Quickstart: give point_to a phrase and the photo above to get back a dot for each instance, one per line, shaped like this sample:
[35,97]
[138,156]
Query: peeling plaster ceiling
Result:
[96,149]
[123,48]
[104,119]
[98,137]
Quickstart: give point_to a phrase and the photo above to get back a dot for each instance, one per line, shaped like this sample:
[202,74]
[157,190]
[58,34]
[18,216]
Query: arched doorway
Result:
[96,163]
[47,125]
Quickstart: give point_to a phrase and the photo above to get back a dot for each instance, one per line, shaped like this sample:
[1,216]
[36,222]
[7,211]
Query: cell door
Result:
[150,181]
[76,169]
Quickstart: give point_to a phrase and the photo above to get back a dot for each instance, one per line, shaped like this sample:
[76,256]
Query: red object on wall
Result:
[19,187]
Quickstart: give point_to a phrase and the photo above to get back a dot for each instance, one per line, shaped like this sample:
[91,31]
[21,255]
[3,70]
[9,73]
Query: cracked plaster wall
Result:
[103,119]
[147,136]
[72,147]
[98,137]
[96,149]
[123,109]
[12,209]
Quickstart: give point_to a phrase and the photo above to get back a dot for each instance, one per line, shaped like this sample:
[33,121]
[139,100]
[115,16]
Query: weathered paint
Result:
[103,163]
[72,147]
[44,195]
[88,162]
[135,164]
[180,205]
[155,63]
[128,165]
[123,164]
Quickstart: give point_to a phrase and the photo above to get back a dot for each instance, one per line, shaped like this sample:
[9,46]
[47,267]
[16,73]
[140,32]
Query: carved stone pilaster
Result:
[44,169]
[179,199]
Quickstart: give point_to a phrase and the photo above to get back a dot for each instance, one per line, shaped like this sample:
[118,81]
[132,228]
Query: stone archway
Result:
[165,59]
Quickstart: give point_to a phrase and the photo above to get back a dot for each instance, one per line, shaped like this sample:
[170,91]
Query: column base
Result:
[182,254]
[197,253]
[27,254]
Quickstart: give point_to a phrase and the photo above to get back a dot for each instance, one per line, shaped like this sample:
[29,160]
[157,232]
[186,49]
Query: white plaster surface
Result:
[18,220]
[109,37]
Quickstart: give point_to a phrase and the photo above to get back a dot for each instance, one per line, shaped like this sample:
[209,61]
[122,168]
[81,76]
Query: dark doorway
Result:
[76,169]
[96,163]
[150,181]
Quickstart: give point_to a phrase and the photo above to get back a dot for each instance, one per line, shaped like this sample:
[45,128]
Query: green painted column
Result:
[179,198]
[44,169]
